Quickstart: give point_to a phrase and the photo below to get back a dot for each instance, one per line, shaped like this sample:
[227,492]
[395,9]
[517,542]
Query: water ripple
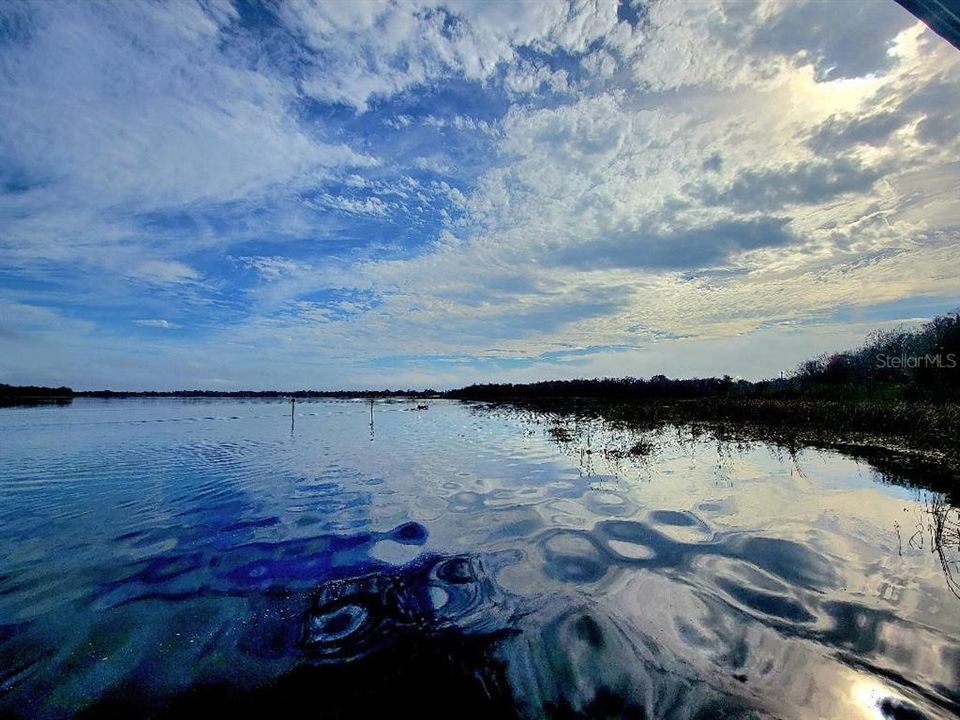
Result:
[529,562]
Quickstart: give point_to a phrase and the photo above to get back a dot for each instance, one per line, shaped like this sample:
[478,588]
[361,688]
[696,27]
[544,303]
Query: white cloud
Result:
[164,271]
[358,206]
[114,111]
[684,186]
[361,51]
[157,323]
[611,163]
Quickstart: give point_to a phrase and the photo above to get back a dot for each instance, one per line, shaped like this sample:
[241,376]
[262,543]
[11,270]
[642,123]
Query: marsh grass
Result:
[897,415]
[627,437]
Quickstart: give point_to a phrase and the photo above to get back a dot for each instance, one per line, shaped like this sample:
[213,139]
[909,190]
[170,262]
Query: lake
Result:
[183,557]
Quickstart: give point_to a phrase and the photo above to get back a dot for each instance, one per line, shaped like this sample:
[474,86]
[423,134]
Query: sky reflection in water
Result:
[154,548]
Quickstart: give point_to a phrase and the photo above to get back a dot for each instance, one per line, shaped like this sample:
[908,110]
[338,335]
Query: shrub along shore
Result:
[900,390]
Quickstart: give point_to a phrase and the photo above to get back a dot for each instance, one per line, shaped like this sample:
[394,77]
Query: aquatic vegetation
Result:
[560,433]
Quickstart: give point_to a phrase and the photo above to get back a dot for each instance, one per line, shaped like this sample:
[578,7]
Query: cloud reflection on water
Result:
[460,553]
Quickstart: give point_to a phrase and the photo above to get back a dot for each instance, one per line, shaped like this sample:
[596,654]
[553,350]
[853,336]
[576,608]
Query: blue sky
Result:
[407,194]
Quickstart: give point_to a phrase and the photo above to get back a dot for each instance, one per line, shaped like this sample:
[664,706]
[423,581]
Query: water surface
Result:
[175,557]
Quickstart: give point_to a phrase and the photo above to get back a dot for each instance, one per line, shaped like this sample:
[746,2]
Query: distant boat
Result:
[423,407]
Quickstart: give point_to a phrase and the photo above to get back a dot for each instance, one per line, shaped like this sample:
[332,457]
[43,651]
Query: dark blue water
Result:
[179,558]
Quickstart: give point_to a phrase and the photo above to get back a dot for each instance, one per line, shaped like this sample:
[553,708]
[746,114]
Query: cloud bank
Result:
[432,193]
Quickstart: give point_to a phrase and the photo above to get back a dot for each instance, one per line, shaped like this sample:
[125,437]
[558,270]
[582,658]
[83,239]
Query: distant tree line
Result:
[891,364]
[924,362]
[278,394]
[11,395]
[658,387]
[928,358]
[33,391]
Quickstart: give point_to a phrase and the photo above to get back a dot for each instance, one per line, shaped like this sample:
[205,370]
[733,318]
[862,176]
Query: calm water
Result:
[177,556]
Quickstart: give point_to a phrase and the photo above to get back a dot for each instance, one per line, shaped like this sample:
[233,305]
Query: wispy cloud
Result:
[162,324]
[355,193]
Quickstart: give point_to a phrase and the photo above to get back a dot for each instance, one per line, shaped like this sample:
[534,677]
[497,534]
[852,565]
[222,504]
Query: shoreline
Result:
[903,438]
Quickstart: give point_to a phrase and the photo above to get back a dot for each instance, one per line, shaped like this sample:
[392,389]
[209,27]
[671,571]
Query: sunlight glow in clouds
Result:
[324,195]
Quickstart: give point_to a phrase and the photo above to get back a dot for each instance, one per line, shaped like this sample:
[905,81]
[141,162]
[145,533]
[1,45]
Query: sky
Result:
[233,195]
